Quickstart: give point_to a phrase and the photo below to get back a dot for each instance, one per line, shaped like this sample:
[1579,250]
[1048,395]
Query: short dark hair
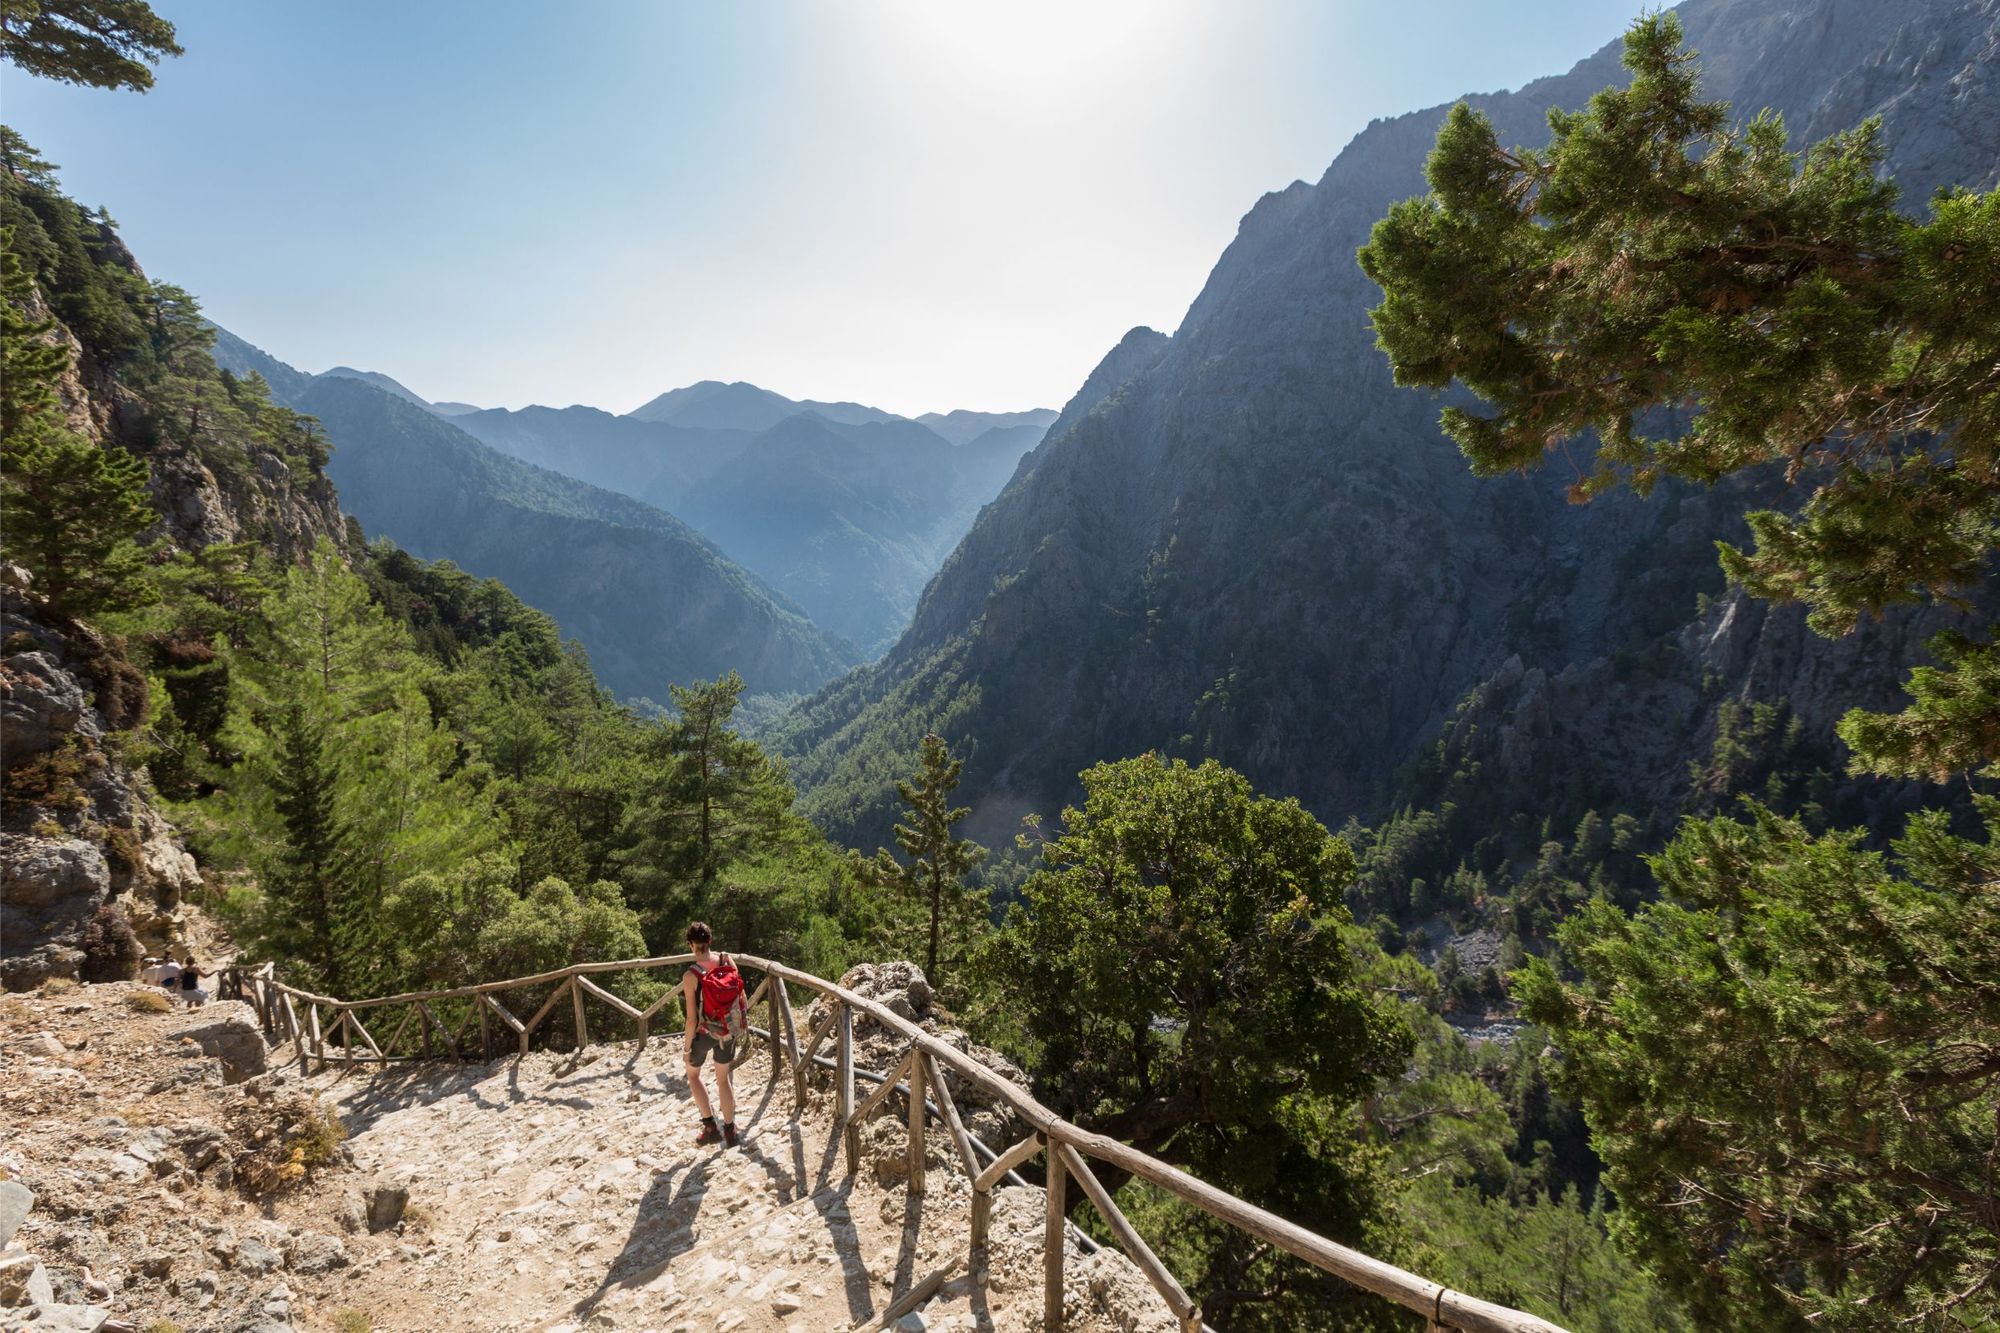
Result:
[698,933]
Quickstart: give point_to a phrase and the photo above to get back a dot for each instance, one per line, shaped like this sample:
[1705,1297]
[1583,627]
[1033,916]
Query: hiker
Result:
[164,972]
[717,1017]
[190,984]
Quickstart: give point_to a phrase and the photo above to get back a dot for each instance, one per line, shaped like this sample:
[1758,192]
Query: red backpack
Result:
[722,995]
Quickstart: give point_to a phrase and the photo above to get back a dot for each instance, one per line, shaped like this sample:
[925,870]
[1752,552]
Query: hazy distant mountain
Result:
[850,519]
[654,461]
[1245,542]
[652,601]
[380,381]
[741,406]
[962,427]
[453,409]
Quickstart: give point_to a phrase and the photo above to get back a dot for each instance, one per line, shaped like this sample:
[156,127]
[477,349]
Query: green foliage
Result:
[1491,1196]
[346,785]
[938,862]
[94,43]
[33,359]
[1186,983]
[1652,256]
[718,794]
[73,513]
[1792,1068]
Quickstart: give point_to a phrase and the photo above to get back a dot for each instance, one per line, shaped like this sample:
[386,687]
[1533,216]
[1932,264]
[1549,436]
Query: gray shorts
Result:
[724,1049]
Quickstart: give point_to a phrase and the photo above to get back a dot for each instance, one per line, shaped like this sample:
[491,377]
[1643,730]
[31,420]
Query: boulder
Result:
[42,705]
[54,1317]
[386,1203]
[16,1200]
[230,1033]
[313,1252]
[17,1268]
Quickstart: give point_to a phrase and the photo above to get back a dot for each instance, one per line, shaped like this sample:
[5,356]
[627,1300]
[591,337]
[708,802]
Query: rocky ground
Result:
[556,1193]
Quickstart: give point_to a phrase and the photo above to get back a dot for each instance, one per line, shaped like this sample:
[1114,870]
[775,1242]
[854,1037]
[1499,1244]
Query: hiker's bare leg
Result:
[701,1093]
[727,1091]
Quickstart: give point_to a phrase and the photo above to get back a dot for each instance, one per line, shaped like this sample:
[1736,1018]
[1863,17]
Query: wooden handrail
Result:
[1441,1305]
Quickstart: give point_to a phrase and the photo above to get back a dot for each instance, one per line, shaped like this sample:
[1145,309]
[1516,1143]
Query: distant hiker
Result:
[164,973]
[717,1018]
[190,984]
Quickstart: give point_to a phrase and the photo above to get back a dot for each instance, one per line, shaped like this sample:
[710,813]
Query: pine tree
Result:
[721,792]
[308,871]
[1791,1067]
[34,361]
[72,514]
[937,863]
[347,786]
[94,43]
[1654,257]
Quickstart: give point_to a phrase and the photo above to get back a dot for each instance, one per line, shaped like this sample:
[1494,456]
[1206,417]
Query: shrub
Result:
[149,1002]
[111,951]
[53,778]
[352,1321]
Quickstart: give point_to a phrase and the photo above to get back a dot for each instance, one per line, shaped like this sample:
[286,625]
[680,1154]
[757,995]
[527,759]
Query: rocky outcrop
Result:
[78,831]
[901,988]
[229,1031]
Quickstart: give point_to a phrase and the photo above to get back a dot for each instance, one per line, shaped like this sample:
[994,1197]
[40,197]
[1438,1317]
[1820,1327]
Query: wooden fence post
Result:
[916,1122]
[844,1083]
[576,1006]
[1053,1220]
[776,984]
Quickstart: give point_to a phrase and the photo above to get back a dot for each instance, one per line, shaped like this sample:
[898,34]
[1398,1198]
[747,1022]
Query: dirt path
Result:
[557,1195]
[544,1194]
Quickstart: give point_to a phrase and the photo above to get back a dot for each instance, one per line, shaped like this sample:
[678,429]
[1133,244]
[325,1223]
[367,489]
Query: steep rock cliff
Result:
[1245,542]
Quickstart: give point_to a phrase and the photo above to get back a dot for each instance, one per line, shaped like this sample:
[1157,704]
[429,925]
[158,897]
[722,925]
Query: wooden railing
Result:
[343,1038]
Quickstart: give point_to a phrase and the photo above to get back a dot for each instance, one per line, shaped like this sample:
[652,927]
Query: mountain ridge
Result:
[653,601]
[1243,541]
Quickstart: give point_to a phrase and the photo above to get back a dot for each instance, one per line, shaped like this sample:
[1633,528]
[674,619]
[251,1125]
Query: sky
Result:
[917,204]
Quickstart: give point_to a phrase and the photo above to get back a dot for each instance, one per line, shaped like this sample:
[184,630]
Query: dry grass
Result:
[148,1002]
[15,1010]
[352,1321]
[58,986]
[163,1326]
[312,1139]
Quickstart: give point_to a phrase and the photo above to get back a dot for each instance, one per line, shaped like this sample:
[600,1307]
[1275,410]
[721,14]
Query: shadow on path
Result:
[662,1230]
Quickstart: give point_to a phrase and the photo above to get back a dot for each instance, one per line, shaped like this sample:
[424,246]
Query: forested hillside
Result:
[652,600]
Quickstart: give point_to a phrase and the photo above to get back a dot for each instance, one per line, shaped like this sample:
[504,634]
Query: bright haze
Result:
[921,205]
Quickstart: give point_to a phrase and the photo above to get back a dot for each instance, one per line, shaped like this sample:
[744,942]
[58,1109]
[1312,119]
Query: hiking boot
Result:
[728,1134]
[709,1134]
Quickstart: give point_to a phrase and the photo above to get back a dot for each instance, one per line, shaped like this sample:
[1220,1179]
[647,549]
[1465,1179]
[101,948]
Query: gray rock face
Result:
[49,887]
[1245,542]
[89,834]
[231,1034]
[39,873]
[42,705]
